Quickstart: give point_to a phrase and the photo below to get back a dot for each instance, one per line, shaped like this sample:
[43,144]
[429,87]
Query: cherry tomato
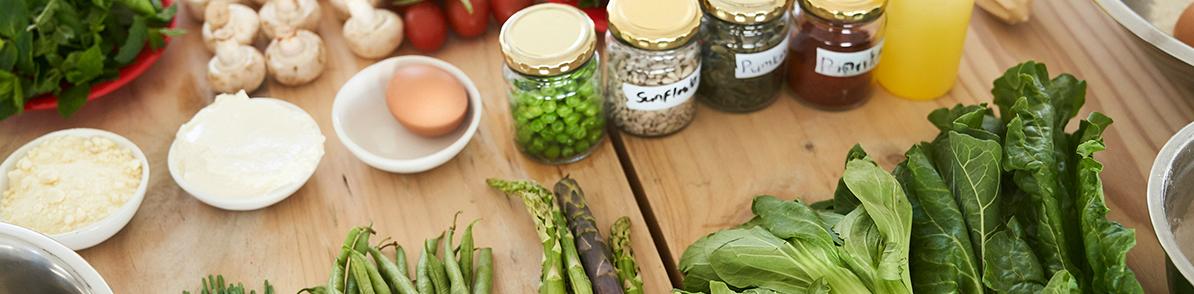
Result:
[425,26]
[467,24]
[503,9]
[599,16]
[566,2]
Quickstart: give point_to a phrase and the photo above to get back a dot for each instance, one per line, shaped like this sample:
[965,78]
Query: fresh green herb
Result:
[216,285]
[62,47]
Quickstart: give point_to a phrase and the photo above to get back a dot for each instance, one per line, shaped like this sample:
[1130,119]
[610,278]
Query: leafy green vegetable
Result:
[1011,266]
[888,211]
[942,258]
[755,258]
[62,47]
[1106,242]
[1062,283]
[843,200]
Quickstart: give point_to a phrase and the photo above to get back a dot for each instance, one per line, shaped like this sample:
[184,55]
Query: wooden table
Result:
[686,185]
[703,178]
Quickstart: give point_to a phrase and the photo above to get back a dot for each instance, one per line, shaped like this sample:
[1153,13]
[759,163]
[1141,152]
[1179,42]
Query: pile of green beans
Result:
[364,269]
[558,119]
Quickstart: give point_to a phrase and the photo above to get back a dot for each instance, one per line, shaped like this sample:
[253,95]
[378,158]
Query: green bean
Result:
[435,269]
[360,273]
[335,284]
[312,290]
[483,284]
[362,245]
[400,259]
[466,254]
[399,281]
[375,278]
[423,279]
[349,241]
[455,277]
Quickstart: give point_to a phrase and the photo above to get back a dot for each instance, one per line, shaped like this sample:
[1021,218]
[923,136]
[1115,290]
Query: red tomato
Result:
[599,16]
[503,9]
[467,24]
[425,27]
[567,2]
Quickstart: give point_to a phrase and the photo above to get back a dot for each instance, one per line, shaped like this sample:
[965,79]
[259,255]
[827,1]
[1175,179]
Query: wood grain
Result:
[175,239]
[702,179]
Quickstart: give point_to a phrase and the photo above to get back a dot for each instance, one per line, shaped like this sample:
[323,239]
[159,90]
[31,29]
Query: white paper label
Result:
[751,65]
[651,98]
[847,64]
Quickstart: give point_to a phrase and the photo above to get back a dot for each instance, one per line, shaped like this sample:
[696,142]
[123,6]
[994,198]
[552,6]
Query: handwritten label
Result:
[652,98]
[751,65]
[847,64]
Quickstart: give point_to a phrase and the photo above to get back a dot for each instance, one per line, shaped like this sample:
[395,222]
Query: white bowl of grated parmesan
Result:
[79,186]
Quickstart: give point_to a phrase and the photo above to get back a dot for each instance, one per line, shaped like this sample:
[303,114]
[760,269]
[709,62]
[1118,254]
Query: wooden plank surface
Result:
[702,179]
[174,239]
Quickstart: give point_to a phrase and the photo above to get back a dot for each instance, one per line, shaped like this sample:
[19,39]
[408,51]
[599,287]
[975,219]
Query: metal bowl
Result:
[1152,21]
[33,263]
[1170,195]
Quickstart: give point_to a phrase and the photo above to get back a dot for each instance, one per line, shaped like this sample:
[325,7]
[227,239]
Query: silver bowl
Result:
[1170,195]
[1152,21]
[33,263]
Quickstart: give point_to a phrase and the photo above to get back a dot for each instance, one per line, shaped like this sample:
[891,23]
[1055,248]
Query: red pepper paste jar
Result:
[835,45]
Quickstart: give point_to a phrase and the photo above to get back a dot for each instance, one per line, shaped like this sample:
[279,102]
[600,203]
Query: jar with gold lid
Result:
[652,65]
[554,82]
[835,45]
[743,44]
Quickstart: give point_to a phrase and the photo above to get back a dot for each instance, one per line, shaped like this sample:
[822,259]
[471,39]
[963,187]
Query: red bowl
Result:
[147,57]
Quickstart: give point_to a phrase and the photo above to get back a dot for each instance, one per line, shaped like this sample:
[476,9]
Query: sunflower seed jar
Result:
[553,76]
[744,44]
[652,65]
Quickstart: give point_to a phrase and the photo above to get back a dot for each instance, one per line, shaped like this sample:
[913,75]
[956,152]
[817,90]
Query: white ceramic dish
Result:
[242,203]
[35,263]
[364,123]
[94,233]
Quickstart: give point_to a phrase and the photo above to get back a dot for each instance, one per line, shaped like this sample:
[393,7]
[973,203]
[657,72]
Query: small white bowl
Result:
[364,123]
[100,230]
[242,203]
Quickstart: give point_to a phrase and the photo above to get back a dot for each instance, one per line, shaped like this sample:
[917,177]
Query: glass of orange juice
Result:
[923,46]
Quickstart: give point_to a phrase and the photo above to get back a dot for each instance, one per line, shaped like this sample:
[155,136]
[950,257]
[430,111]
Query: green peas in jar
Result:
[558,119]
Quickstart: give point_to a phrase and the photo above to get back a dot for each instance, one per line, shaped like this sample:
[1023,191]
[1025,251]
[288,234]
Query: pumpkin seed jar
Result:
[652,65]
[554,83]
[744,43]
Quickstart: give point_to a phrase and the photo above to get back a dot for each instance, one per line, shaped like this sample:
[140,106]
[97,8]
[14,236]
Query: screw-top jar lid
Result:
[548,39]
[849,11]
[745,11]
[640,23]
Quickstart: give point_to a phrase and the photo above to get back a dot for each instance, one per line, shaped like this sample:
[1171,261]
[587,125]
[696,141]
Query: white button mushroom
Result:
[197,8]
[340,7]
[295,57]
[229,21]
[300,14]
[372,32]
[235,67]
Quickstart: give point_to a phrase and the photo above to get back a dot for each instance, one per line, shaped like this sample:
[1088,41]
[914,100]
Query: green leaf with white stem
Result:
[886,205]
[754,258]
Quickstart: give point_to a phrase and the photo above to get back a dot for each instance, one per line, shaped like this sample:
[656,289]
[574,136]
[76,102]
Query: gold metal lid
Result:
[640,23]
[844,10]
[746,11]
[547,39]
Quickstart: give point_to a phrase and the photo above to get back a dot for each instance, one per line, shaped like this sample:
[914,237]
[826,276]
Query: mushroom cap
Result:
[197,8]
[295,57]
[301,14]
[235,67]
[375,35]
[340,8]
[236,22]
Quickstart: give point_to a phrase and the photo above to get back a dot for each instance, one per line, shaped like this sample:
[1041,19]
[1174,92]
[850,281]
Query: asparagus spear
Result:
[594,253]
[539,204]
[577,279]
[619,238]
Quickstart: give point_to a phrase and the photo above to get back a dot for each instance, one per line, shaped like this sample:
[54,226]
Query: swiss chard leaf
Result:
[970,168]
[1106,242]
[1063,283]
[1010,265]
[942,259]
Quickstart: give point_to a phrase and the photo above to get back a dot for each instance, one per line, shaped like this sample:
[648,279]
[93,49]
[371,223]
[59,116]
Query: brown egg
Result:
[426,100]
[1184,30]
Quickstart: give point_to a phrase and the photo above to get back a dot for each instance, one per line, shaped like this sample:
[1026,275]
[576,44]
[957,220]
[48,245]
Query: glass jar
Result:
[743,44]
[835,45]
[652,65]
[554,83]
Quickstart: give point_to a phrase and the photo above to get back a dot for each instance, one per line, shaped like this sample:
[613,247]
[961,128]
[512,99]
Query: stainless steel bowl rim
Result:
[1144,29]
[94,282]
[1162,169]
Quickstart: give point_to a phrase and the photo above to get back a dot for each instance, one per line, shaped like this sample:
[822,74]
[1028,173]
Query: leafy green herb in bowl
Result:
[65,47]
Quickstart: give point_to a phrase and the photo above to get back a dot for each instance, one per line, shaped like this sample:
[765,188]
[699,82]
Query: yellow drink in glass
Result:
[923,46]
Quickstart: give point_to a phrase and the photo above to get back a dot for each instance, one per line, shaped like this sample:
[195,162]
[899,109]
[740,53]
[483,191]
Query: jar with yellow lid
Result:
[835,46]
[743,44]
[554,83]
[652,65]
